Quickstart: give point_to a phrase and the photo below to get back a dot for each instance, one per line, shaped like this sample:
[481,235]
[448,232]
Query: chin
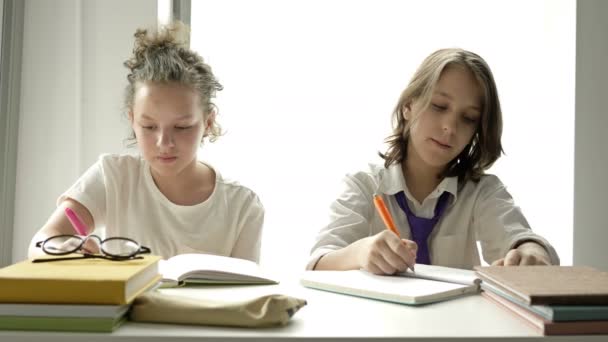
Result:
[437,163]
[167,170]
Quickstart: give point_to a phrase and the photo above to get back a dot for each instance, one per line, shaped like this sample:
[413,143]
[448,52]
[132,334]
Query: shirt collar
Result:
[392,181]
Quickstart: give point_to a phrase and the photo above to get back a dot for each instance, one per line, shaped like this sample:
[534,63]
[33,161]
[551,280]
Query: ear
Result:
[131,116]
[407,111]
[209,122]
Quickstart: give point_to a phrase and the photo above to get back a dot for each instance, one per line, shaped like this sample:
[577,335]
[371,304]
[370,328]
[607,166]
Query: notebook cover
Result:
[62,310]
[83,281]
[549,285]
[545,326]
[87,324]
[390,288]
[557,313]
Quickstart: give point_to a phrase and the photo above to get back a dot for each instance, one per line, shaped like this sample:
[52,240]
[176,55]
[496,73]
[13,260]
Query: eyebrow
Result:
[443,93]
[181,117]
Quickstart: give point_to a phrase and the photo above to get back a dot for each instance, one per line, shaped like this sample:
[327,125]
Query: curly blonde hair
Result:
[485,147]
[164,56]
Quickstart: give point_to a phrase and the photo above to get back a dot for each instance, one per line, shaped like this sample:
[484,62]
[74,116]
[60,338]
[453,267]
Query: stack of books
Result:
[556,300]
[73,295]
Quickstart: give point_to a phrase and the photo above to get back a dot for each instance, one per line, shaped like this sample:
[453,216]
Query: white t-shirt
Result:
[121,195]
[482,211]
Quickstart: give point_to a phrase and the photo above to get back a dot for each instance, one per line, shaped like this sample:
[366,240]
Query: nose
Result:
[448,125]
[165,139]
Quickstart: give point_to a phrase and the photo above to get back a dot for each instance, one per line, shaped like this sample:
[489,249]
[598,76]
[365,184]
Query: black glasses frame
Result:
[105,254]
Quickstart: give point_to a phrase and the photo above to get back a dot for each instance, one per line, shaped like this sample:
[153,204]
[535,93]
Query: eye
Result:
[469,119]
[183,127]
[148,127]
[438,107]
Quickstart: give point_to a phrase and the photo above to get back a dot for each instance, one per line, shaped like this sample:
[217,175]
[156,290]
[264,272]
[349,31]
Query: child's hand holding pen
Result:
[89,246]
[383,253]
[386,253]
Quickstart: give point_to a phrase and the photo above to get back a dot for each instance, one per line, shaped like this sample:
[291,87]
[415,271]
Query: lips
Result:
[166,159]
[441,144]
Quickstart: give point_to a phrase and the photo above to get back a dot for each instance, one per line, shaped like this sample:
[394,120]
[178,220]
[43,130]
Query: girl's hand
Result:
[528,253]
[386,253]
[90,247]
[71,244]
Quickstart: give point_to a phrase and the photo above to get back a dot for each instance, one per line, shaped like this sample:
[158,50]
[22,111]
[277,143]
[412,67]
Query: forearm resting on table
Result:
[41,235]
[534,248]
[525,253]
[346,258]
[58,224]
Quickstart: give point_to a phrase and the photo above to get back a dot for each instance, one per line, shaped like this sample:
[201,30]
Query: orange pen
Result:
[386,216]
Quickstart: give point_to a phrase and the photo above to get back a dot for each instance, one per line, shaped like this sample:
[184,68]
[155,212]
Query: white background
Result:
[72,83]
[310,86]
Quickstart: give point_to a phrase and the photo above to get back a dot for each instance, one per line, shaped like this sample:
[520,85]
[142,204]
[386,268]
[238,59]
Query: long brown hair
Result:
[485,146]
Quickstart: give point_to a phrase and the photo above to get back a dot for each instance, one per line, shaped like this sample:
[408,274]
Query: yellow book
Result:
[83,281]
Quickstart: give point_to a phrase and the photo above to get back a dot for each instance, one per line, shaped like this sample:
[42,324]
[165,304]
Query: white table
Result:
[332,317]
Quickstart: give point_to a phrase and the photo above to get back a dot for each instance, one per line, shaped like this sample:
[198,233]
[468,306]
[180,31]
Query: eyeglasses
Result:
[114,248]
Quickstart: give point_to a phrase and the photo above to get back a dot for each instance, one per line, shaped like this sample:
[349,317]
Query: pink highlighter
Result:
[79,227]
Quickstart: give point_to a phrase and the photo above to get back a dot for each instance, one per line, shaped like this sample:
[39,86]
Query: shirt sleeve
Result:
[500,224]
[251,222]
[349,220]
[90,191]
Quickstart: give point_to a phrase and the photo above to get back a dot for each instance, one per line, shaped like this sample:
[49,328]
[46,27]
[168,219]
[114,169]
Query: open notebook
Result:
[211,269]
[427,285]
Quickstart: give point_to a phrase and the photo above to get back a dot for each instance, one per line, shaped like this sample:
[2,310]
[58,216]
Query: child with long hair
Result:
[447,132]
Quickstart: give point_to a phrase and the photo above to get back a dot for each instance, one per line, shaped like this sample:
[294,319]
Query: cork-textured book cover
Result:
[549,284]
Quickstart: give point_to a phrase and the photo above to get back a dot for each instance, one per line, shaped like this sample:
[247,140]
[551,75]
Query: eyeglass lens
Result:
[62,244]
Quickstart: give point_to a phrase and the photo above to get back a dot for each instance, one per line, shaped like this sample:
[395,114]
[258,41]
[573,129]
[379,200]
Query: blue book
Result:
[556,313]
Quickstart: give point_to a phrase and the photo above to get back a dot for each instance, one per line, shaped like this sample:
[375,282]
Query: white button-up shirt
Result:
[477,211]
